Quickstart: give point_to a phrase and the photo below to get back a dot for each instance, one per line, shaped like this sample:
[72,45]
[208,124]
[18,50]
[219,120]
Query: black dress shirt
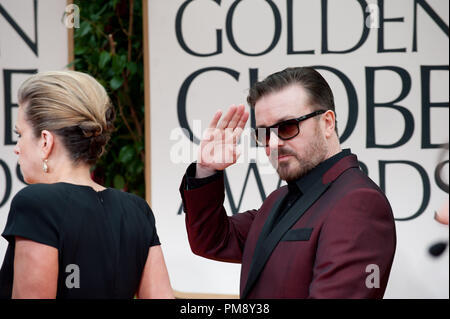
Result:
[300,186]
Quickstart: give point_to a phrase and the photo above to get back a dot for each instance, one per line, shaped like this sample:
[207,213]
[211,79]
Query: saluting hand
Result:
[218,148]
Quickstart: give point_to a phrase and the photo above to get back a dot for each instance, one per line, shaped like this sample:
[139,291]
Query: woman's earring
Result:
[45,166]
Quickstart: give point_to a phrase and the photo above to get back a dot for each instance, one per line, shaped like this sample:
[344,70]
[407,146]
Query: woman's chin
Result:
[27,179]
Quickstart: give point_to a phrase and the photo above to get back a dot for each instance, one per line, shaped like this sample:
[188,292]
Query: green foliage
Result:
[108,46]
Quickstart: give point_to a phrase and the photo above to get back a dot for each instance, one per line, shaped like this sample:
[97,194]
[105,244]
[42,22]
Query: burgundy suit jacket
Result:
[337,241]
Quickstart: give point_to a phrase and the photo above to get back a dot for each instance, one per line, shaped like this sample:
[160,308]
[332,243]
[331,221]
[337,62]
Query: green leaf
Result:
[100,13]
[105,57]
[116,82]
[119,182]
[132,67]
[95,17]
[139,167]
[119,62]
[85,28]
[80,50]
[126,154]
[92,41]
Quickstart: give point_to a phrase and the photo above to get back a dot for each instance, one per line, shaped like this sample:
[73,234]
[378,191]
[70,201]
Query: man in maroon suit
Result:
[329,233]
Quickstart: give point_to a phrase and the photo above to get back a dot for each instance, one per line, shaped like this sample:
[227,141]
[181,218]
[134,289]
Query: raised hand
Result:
[218,148]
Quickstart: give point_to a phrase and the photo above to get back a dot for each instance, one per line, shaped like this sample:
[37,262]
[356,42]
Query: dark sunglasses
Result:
[285,130]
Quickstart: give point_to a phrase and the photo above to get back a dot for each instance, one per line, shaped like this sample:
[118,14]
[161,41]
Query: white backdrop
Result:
[33,38]
[391,91]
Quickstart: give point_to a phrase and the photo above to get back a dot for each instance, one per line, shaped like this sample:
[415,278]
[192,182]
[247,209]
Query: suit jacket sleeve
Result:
[356,248]
[211,232]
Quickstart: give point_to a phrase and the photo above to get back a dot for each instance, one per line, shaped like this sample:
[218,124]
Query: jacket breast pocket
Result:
[299,234]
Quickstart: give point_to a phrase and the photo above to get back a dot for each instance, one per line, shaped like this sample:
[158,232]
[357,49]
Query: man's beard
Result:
[299,166]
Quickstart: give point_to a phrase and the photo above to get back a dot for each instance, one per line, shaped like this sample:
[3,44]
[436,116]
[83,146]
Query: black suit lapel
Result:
[268,241]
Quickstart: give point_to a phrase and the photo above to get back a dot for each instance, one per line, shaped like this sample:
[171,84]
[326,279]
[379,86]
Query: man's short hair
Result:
[317,88]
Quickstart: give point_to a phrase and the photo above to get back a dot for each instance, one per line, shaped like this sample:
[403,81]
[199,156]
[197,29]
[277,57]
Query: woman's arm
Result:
[35,270]
[155,278]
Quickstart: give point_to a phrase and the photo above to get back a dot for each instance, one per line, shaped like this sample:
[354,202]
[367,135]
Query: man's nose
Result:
[274,143]
[16,149]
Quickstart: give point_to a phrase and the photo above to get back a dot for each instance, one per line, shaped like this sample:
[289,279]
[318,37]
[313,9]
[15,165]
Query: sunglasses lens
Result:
[288,129]
[285,130]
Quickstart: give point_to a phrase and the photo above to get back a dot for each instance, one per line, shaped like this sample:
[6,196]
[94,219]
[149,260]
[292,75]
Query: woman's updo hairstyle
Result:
[72,105]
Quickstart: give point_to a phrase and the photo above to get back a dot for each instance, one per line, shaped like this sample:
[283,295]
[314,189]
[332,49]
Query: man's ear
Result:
[47,141]
[330,123]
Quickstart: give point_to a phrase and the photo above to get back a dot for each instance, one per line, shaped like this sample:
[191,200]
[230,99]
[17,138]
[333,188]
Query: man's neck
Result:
[334,147]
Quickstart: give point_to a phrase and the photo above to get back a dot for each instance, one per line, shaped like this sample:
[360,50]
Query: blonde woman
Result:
[70,237]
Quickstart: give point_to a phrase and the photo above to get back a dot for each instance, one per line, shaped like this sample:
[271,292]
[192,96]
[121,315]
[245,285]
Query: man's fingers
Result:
[236,117]
[226,120]
[243,120]
[215,119]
